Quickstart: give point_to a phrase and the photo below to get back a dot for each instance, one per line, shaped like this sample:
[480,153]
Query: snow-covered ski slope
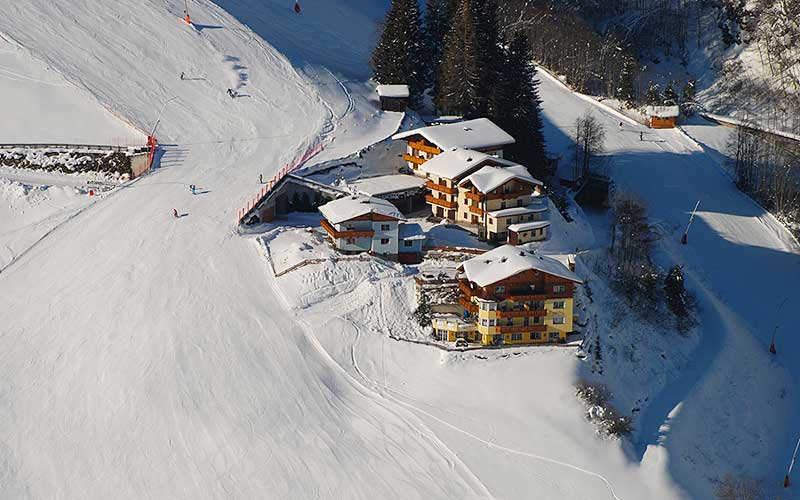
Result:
[736,408]
[40,106]
[147,357]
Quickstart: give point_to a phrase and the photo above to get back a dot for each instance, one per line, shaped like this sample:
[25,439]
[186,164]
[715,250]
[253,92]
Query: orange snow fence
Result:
[288,169]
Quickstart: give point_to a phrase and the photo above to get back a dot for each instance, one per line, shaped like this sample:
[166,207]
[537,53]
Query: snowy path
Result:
[744,263]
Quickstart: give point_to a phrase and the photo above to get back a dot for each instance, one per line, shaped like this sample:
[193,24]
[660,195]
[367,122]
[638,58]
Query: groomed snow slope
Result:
[40,106]
[147,357]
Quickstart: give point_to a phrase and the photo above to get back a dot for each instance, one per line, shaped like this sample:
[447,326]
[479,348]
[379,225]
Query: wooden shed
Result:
[662,116]
[393,97]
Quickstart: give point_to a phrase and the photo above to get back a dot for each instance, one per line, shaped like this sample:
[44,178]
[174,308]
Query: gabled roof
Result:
[492,177]
[392,90]
[385,184]
[350,207]
[510,212]
[454,163]
[507,261]
[480,133]
[528,226]
[663,111]
[410,231]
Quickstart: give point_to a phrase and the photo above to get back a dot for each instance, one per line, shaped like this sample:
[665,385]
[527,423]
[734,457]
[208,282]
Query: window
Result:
[510,322]
[502,205]
[516,336]
[384,227]
[465,215]
[558,304]
[484,322]
[351,241]
[500,289]
[526,320]
[559,288]
[536,320]
[558,320]
[536,335]
[408,243]
[530,217]
[491,221]
[384,241]
[554,336]
[506,189]
[492,322]
[488,306]
[519,202]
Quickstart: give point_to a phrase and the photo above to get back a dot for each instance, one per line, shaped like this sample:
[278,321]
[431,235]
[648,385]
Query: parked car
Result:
[462,343]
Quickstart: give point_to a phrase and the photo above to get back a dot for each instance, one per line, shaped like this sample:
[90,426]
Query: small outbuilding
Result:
[662,116]
[393,97]
[519,234]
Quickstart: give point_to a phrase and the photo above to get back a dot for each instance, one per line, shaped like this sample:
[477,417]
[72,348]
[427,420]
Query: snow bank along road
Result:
[736,409]
[143,356]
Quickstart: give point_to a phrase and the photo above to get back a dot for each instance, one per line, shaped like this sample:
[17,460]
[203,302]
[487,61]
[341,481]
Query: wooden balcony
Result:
[421,146]
[413,159]
[509,196]
[521,328]
[522,313]
[475,210]
[345,234]
[439,187]
[468,305]
[442,203]
[473,196]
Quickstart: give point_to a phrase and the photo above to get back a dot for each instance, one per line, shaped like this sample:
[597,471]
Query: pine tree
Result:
[670,96]
[518,108]
[398,57]
[626,90]
[678,300]
[688,91]
[653,95]
[490,54]
[437,24]
[460,82]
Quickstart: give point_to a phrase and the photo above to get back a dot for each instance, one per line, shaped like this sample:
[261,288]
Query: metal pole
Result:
[775,331]
[158,120]
[786,481]
[685,237]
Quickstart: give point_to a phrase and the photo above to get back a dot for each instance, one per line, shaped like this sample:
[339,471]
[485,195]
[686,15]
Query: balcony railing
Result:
[421,146]
[442,203]
[439,187]
[345,234]
[473,196]
[508,196]
[468,305]
[521,313]
[413,159]
[521,328]
[475,210]
[465,289]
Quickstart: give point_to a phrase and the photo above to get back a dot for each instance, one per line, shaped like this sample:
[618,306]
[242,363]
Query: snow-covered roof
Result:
[509,212]
[350,207]
[392,90]
[492,177]
[385,184]
[663,111]
[507,261]
[528,226]
[456,162]
[410,231]
[479,133]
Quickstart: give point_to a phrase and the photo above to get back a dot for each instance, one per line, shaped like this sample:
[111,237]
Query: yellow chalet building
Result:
[496,197]
[446,170]
[510,295]
[480,134]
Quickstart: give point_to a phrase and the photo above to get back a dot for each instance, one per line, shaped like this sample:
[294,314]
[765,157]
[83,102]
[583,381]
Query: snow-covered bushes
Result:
[599,410]
[66,160]
[739,488]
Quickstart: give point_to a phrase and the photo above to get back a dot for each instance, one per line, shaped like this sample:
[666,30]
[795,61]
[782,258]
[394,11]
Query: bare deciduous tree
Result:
[589,139]
[739,488]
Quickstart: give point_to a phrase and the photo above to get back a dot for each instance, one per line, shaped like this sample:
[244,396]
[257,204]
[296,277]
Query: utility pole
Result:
[158,120]
[775,330]
[684,238]
[786,482]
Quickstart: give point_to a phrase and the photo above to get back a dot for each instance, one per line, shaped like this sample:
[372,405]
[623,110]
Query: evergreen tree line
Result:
[458,57]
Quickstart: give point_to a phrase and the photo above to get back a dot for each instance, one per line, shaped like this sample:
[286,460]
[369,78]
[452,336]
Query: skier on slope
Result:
[641,136]
[175,212]
[181,75]
[193,188]
[620,125]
